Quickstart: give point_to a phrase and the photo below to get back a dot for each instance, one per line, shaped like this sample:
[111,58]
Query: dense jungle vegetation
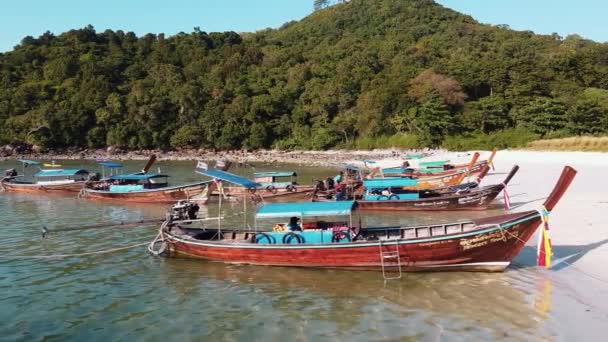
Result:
[357,74]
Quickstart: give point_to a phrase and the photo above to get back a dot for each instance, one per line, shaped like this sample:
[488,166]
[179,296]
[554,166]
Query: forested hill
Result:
[349,73]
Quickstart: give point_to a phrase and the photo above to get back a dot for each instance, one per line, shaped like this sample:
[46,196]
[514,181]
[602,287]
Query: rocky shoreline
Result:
[312,158]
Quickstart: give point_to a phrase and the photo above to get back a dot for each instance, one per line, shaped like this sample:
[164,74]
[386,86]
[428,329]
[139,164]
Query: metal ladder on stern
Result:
[390,255]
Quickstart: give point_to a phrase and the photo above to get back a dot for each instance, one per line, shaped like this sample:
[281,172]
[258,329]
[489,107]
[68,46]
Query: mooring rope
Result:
[160,237]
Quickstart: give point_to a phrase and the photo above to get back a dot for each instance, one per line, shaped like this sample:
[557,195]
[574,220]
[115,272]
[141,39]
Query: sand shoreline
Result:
[320,158]
[314,158]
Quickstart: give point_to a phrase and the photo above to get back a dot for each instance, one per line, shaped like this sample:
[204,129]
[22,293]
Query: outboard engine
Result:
[184,210]
[10,173]
[329,183]
[319,185]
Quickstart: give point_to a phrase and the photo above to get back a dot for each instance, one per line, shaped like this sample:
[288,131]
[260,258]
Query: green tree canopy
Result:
[354,70]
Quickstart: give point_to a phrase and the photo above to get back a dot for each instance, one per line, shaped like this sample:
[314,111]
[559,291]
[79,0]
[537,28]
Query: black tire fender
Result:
[260,236]
[291,235]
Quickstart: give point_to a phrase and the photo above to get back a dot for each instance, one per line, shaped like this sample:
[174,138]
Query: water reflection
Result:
[472,304]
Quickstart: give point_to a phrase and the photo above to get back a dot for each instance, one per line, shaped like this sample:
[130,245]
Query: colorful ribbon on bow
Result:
[544,250]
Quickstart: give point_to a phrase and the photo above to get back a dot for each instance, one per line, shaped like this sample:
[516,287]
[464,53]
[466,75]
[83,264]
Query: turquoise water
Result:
[128,294]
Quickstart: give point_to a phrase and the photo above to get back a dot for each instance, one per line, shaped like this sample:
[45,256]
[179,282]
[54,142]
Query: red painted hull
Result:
[64,189]
[487,244]
[162,195]
[484,248]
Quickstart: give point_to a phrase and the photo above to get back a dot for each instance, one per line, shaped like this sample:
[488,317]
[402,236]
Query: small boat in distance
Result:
[436,168]
[487,244]
[48,181]
[432,181]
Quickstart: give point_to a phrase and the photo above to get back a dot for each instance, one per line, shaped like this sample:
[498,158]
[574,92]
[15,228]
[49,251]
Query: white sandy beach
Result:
[579,223]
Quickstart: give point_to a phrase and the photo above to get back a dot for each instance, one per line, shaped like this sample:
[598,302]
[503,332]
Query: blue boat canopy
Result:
[60,173]
[110,165]
[275,174]
[384,183]
[29,162]
[305,209]
[230,178]
[138,176]
[435,163]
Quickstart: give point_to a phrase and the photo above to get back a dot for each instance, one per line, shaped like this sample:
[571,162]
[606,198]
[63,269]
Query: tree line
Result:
[409,72]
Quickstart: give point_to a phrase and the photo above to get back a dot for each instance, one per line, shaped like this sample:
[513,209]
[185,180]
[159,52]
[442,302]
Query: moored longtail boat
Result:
[383,195]
[451,178]
[439,168]
[271,184]
[253,190]
[144,187]
[47,181]
[487,244]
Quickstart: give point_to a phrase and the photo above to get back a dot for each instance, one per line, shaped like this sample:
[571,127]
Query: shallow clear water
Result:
[129,294]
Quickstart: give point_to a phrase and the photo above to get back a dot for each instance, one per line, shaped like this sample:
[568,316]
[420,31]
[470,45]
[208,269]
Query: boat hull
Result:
[162,195]
[475,170]
[489,248]
[478,199]
[66,189]
[430,183]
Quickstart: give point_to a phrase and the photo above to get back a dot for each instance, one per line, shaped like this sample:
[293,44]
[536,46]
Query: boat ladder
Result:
[392,255]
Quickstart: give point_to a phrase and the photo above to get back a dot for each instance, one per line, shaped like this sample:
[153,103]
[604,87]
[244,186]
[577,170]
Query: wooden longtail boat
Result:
[359,192]
[434,182]
[439,170]
[487,244]
[47,181]
[145,193]
[269,185]
[469,197]
[489,161]
[144,187]
[253,190]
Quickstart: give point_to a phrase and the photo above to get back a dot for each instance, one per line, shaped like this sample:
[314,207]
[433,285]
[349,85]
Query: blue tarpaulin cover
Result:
[305,209]
[60,173]
[229,177]
[126,188]
[389,183]
[138,176]
[433,163]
